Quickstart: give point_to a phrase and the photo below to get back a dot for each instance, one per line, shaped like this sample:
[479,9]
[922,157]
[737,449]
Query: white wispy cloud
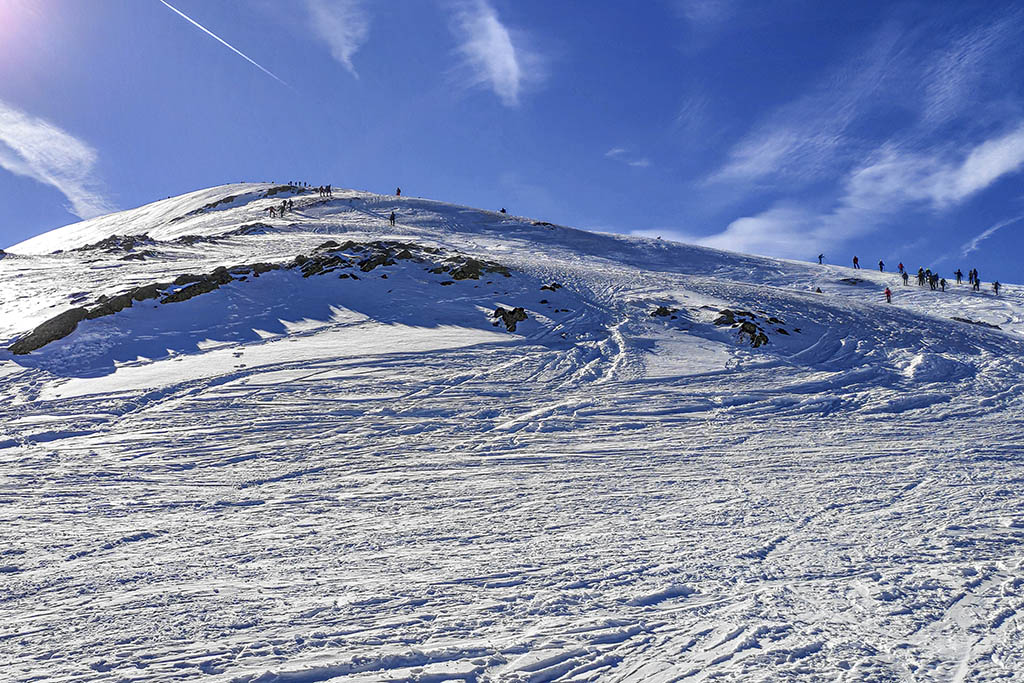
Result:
[220,40]
[623,156]
[343,24]
[934,78]
[493,55]
[785,231]
[934,81]
[705,12]
[37,149]
[953,75]
[889,182]
[801,141]
[972,245]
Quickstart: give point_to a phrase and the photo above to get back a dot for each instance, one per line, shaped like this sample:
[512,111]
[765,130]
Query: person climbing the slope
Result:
[959,277]
[398,192]
[900,267]
[856,263]
[820,257]
[881,266]
[920,277]
[995,286]
[888,295]
[392,218]
[942,283]
[977,282]
[906,276]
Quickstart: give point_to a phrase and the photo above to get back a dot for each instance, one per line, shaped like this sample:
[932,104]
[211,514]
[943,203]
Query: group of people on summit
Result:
[926,276]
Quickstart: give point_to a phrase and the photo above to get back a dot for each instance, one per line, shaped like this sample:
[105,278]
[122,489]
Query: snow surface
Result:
[310,479]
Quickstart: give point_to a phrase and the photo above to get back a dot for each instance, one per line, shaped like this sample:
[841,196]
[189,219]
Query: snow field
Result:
[317,479]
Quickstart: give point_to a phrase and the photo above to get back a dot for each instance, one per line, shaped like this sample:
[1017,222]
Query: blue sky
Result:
[888,130]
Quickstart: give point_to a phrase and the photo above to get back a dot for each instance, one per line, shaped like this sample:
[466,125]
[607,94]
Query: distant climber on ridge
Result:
[881,266]
[398,192]
[856,263]
[820,257]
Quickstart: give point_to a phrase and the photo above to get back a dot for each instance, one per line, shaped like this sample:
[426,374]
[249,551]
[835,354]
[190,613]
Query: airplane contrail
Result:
[220,40]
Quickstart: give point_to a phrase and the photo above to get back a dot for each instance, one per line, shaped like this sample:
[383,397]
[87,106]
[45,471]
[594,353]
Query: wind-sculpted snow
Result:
[310,476]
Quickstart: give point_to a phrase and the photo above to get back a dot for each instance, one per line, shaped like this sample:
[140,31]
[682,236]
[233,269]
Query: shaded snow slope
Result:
[309,476]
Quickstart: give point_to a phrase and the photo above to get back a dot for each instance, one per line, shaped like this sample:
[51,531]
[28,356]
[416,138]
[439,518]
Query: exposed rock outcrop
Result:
[510,317]
[327,257]
[53,329]
[976,322]
[466,268]
[746,322]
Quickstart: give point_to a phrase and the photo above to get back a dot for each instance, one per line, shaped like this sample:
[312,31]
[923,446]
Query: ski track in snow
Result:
[319,479]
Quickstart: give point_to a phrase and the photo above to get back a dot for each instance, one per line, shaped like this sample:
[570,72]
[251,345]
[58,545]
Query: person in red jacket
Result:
[888,295]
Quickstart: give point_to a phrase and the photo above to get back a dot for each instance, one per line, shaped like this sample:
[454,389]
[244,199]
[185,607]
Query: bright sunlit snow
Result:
[301,475]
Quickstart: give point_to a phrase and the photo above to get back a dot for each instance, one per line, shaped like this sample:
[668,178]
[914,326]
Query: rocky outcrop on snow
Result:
[663,312]
[328,257]
[466,268]
[55,328]
[247,229]
[976,322]
[116,243]
[744,320]
[510,317]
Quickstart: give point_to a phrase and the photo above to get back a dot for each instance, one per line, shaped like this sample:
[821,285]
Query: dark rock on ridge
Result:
[55,328]
[327,257]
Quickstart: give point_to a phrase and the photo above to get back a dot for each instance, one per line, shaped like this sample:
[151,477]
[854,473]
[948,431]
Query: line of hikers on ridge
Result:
[925,275]
[324,191]
[286,205]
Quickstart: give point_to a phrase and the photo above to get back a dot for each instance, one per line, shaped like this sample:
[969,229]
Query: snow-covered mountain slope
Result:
[304,448]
